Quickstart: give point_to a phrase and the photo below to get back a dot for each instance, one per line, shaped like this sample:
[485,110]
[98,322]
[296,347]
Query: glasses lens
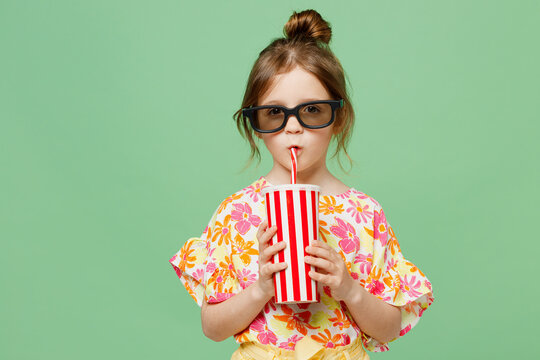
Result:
[316,114]
[268,118]
[271,118]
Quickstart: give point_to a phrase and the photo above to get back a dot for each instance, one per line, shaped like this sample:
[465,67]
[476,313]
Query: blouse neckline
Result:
[337,195]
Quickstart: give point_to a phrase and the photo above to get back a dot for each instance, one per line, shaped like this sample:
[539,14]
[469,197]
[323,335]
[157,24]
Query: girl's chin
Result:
[303,171]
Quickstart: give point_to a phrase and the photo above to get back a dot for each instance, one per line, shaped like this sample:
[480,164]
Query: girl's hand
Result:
[266,252]
[332,270]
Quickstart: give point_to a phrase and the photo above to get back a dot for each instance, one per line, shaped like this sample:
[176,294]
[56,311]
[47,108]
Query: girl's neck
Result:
[321,176]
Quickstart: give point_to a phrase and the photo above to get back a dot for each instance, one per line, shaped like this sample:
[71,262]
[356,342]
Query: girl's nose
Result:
[293,126]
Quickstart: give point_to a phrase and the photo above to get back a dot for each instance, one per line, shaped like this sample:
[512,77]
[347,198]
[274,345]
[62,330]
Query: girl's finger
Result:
[314,249]
[270,268]
[263,240]
[320,263]
[321,244]
[261,230]
[323,279]
[321,271]
[266,250]
[274,249]
[270,251]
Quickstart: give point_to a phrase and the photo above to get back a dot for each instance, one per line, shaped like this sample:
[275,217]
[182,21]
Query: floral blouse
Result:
[224,260]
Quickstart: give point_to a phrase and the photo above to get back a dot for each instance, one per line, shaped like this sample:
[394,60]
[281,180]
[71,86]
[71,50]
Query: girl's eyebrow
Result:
[280,103]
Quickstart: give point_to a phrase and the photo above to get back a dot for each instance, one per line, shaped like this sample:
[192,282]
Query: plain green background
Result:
[117,144]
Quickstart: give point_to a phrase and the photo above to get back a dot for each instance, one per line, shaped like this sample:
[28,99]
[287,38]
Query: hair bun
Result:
[308,24]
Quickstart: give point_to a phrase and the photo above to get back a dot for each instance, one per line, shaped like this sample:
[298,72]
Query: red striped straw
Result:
[293,165]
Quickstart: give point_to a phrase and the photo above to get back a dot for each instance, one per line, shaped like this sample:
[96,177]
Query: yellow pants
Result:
[305,349]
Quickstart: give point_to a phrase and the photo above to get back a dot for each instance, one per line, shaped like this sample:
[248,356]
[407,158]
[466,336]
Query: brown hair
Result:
[305,44]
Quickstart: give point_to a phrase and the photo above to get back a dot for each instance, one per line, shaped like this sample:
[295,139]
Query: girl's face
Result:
[290,89]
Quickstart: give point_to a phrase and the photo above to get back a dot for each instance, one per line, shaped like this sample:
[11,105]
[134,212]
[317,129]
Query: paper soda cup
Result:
[294,209]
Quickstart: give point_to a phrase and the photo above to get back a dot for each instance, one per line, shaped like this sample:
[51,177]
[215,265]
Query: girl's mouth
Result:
[298,149]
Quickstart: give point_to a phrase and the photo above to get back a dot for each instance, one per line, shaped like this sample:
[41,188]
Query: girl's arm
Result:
[224,319]
[375,317]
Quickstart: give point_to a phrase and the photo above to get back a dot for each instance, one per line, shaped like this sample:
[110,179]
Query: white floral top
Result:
[224,260]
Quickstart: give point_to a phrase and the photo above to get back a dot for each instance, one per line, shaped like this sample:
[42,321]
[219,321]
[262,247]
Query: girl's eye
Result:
[311,109]
[273,111]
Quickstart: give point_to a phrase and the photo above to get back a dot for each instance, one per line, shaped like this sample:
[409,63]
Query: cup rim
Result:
[310,187]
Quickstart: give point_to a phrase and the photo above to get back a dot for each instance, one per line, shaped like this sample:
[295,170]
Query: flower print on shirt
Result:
[243,214]
[211,267]
[290,343]
[295,321]
[392,263]
[344,195]
[222,232]
[227,266]
[365,261]
[265,335]
[340,320]
[198,274]
[244,249]
[229,200]
[413,268]
[349,241]
[328,205]
[187,257]
[323,232]
[359,212]
[393,244]
[410,285]
[373,283]
[269,307]
[327,339]
[379,227]
[427,284]
[404,331]
[246,278]
[254,191]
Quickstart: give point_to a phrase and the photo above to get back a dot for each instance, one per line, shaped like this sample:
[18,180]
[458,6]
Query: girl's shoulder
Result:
[354,196]
[250,194]
[248,197]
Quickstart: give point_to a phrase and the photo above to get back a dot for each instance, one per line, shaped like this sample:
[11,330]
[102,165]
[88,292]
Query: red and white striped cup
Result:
[294,209]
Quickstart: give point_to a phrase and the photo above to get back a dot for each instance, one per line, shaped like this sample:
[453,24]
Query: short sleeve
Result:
[204,264]
[395,280]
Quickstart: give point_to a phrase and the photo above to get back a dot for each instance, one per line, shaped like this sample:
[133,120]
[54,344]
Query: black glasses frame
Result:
[248,112]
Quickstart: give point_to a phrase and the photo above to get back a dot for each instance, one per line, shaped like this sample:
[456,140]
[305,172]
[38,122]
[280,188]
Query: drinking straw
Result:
[293,165]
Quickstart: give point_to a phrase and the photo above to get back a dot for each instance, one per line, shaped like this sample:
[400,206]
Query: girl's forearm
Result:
[224,319]
[375,317]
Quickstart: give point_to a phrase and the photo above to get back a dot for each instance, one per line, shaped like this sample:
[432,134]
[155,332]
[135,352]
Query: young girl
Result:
[369,293]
